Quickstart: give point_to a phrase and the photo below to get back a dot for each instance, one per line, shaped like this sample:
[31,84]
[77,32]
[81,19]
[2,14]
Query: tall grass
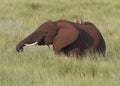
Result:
[38,65]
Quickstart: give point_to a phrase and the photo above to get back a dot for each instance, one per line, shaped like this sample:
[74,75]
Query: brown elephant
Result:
[73,38]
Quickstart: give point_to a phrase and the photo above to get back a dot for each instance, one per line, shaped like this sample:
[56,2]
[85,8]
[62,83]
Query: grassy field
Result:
[39,66]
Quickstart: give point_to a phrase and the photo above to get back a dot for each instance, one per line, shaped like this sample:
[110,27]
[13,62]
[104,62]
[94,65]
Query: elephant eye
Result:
[46,32]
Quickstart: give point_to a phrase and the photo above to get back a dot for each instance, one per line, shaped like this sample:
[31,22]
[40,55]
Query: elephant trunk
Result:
[32,39]
[20,46]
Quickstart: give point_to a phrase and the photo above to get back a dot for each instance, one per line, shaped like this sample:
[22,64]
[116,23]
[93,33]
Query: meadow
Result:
[38,65]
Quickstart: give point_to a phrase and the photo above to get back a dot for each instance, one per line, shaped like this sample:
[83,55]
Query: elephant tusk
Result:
[31,44]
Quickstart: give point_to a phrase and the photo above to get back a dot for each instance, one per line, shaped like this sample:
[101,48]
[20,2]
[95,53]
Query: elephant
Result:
[72,38]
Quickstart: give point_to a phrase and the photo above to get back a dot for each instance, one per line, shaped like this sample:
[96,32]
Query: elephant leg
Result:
[76,52]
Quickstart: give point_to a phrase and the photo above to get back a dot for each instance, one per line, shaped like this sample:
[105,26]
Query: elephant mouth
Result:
[41,42]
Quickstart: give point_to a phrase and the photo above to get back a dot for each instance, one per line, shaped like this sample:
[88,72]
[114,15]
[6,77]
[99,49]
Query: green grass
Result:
[38,65]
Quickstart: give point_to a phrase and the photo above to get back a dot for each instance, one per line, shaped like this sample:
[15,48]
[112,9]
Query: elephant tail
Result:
[102,47]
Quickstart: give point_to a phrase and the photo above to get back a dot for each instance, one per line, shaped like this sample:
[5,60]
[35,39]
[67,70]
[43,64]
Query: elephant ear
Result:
[67,34]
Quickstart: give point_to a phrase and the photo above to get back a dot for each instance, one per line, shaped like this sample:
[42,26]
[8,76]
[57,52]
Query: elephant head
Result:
[58,33]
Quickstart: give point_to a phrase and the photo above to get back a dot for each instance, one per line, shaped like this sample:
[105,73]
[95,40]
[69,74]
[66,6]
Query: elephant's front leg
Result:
[76,52]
